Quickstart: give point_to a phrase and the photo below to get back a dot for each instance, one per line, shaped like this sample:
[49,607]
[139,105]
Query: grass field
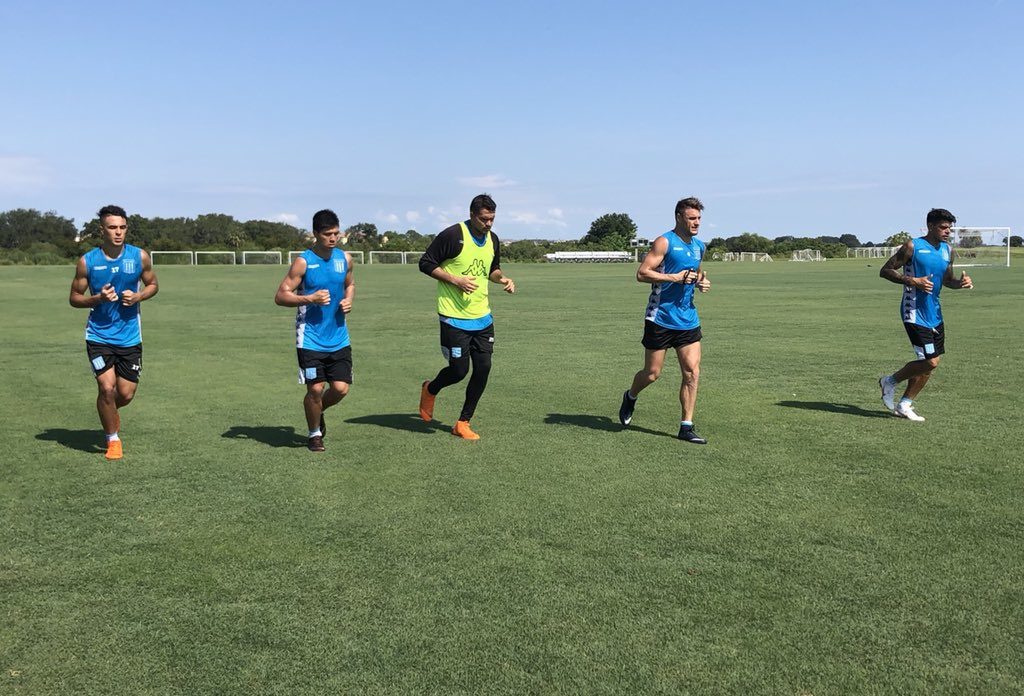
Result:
[815,546]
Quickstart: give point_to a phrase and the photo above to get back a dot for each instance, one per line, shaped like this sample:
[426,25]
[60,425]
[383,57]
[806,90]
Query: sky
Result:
[789,118]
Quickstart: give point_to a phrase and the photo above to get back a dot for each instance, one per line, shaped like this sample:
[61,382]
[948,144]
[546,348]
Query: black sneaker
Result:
[687,433]
[626,409]
[323,425]
[316,443]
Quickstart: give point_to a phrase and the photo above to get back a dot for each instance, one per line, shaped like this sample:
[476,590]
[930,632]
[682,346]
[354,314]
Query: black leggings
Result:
[456,371]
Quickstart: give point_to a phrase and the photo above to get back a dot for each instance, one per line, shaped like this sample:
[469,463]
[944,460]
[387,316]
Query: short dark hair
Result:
[111,210]
[691,202]
[936,215]
[325,220]
[482,202]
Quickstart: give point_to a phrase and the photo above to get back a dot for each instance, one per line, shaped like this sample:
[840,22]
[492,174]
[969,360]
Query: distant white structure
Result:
[590,256]
[806,255]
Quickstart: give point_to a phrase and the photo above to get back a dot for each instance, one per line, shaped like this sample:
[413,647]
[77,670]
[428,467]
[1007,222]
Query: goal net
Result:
[387,257]
[206,258]
[980,246]
[806,255]
[875,252]
[180,258]
[357,256]
[250,258]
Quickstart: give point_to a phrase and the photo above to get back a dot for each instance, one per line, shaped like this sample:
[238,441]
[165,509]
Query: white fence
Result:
[591,257]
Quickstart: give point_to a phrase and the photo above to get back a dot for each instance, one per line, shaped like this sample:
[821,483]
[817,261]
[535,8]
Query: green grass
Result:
[815,546]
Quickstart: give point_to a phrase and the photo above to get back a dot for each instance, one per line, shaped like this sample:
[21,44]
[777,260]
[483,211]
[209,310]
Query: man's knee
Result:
[459,368]
[481,363]
[691,375]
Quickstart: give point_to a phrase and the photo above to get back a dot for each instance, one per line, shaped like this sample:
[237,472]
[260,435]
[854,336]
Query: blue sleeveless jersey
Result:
[111,323]
[671,304]
[919,307]
[322,327]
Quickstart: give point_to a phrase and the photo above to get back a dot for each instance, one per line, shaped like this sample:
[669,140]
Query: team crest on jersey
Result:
[128,265]
[945,254]
[339,266]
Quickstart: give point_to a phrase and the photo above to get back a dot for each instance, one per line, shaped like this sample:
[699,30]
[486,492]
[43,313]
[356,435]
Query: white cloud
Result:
[556,213]
[287,218]
[412,216]
[487,181]
[389,218]
[20,173]
[525,217]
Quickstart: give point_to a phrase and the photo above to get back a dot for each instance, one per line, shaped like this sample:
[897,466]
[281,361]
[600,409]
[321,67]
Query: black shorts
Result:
[458,343]
[657,337]
[315,366]
[126,360]
[928,343]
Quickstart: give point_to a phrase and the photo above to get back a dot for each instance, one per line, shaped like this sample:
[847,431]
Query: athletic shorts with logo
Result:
[458,343]
[316,366]
[657,337]
[126,360]
[927,342]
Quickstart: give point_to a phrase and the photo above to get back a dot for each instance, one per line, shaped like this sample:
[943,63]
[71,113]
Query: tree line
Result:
[30,236]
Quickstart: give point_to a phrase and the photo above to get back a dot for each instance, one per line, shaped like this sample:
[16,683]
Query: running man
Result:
[110,281]
[672,267]
[462,258]
[922,266]
[319,284]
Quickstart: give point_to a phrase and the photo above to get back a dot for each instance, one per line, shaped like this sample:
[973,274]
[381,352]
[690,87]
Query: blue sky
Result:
[803,118]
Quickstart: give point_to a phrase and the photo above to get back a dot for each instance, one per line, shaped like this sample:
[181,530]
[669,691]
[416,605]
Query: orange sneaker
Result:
[426,403]
[114,449]
[463,430]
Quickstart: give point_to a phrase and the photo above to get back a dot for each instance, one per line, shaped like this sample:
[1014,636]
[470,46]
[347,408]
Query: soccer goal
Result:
[251,258]
[357,256]
[208,258]
[412,257]
[180,258]
[980,246]
[806,255]
[875,252]
[387,257]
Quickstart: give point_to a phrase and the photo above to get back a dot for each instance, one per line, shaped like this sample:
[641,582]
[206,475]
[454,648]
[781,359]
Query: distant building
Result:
[639,242]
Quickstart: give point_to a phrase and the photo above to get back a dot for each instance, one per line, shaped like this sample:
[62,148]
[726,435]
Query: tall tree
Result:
[611,231]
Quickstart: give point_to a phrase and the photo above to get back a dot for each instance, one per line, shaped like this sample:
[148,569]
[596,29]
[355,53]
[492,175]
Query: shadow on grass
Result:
[272,435]
[585,420]
[81,440]
[845,409]
[410,422]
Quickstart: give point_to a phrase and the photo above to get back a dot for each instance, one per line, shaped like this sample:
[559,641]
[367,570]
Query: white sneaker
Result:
[904,410]
[888,391]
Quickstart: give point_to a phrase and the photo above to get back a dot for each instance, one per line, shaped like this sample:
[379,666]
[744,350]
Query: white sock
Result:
[314,433]
[113,437]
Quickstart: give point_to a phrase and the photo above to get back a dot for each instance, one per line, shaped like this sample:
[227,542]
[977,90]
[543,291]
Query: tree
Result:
[749,242]
[362,232]
[22,227]
[849,240]
[897,239]
[612,231]
[1016,241]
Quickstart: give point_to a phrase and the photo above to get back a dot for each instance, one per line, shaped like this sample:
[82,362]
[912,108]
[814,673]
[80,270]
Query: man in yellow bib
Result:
[462,258]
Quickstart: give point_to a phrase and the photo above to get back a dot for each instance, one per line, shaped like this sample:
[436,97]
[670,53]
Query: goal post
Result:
[412,256]
[980,246]
[357,256]
[806,255]
[209,258]
[180,258]
[251,258]
[387,257]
